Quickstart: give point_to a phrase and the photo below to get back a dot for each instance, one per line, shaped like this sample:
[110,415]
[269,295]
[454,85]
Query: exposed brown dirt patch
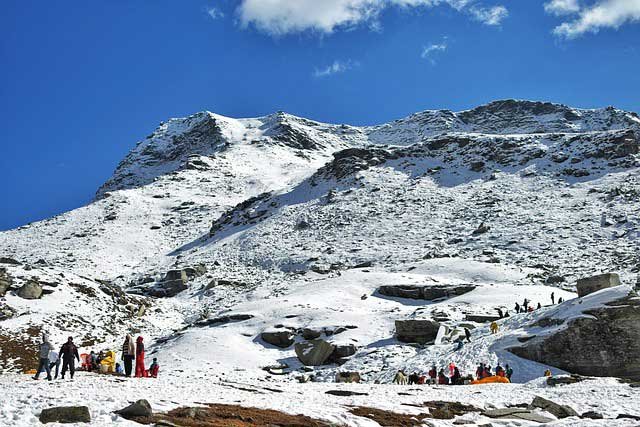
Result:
[218,415]
[19,350]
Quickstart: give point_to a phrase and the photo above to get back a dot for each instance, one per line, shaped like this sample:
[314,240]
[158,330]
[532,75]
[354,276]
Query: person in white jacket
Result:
[43,353]
[54,361]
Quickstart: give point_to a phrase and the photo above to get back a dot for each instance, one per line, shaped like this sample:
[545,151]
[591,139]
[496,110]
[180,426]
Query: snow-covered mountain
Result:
[281,223]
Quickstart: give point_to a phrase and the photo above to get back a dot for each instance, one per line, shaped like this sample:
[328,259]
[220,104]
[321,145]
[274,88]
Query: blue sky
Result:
[82,81]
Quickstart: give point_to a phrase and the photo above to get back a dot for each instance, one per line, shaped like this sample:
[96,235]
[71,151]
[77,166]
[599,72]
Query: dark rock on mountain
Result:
[30,290]
[348,377]
[607,343]
[140,408]
[592,415]
[426,292]
[516,413]
[481,318]
[565,379]
[174,282]
[65,415]
[315,352]
[311,334]
[5,281]
[282,339]
[417,330]
[559,411]
[482,228]
[7,260]
[589,285]
[6,312]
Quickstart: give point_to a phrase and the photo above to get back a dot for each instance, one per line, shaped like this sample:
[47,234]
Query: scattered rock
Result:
[482,228]
[315,352]
[592,415]
[310,334]
[589,285]
[140,408]
[7,260]
[517,413]
[348,377]
[282,339]
[559,411]
[66,414]
[30,290]
[5,282]
[416,331]
[632,417]
[448,410]
[345,393]
[565,379]
[424,292]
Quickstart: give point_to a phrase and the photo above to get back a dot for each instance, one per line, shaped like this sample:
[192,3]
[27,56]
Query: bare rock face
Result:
[607,343]
[424,292]
[314,352]
[282,339]
[417,330]
[589,285]
[30,290]
[140,408]
[5,281]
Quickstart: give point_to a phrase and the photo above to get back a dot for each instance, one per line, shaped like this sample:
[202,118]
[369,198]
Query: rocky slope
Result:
[218,215]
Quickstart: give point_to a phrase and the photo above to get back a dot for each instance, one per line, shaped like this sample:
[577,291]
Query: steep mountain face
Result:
[512,196]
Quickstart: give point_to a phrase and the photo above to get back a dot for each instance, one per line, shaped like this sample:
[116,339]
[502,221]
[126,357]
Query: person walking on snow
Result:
[517,308]
[69,354]
[43,353]
[493,327]
[128,354]
[467,333]
[553,298]
[140,370]
[54,361]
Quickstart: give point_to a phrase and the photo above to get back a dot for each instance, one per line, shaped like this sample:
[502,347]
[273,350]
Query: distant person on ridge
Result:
[128,354]
[553,298]
[43,353]
[517,308]
[69,352]
[140,371]
[467,333]
[494,327]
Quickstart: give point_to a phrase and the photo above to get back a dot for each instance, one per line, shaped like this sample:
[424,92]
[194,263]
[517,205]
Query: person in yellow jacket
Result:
[547,373]
[494,327]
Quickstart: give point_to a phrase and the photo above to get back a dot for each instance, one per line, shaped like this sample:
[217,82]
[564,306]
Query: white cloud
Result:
[335,68]
[214,13]
[562,7]
[489,16]
[429,51]
[281,17]
[602,14]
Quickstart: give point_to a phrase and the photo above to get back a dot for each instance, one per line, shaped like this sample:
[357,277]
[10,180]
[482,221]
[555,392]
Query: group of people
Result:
[435,376]
[527,307]
[50,359]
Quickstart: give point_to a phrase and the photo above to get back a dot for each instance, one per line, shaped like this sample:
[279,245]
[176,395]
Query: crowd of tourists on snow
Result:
[103,362]
[450,375]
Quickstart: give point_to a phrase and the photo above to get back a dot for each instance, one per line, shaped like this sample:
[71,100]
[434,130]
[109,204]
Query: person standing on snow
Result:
[517,308]
[140,370]
[467,333]
[493,327]
[54,361]
[69,354]
[452,368]
[128,354]
[508,372]
[43,353]
[553,298]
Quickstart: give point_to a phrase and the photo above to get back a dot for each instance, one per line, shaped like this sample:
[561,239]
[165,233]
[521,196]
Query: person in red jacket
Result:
[140,370]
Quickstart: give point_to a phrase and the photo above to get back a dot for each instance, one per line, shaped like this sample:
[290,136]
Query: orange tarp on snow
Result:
[493,379]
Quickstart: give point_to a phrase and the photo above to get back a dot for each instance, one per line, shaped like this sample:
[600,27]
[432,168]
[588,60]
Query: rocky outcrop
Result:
[175,281]
[417,330]
[30,290]
[348,377]
[282,339]
[605,342]
[424,292]
[65,415]
[315,352]
[516,413]
[557,410]
[589,285]
[141,408]
[5,281]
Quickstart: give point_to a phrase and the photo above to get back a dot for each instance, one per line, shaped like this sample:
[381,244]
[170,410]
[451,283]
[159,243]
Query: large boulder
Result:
[589,285]
[601,340]
[417,330]
[424,291]
[283,338]
[315,352]
[174,282]
[30,290]
[5,282]
[559,411]
[141,408]
[65,415]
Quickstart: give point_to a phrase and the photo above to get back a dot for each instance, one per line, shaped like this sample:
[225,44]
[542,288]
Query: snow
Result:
[290,234]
